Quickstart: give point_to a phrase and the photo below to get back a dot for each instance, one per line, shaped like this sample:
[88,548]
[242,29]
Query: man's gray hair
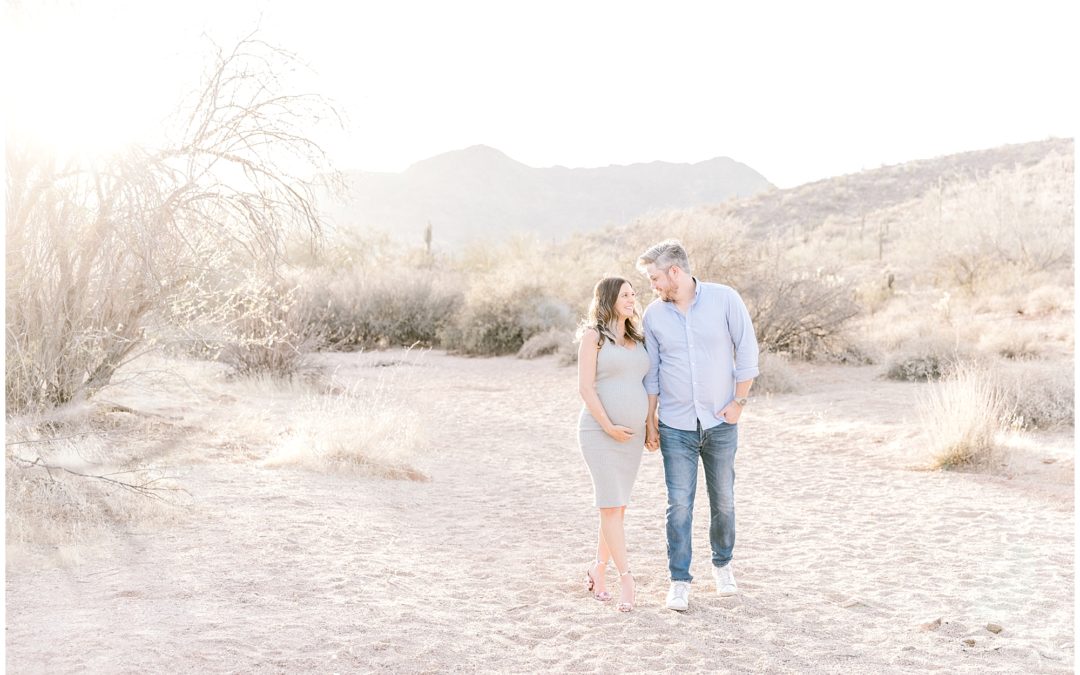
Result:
[665,255]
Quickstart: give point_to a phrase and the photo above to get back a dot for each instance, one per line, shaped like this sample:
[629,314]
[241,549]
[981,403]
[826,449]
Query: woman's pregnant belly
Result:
[625,406]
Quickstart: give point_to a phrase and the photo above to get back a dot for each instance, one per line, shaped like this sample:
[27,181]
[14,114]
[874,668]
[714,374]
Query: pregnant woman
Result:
[612,364]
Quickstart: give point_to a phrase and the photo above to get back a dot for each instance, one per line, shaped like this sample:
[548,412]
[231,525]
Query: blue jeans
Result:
[680,450]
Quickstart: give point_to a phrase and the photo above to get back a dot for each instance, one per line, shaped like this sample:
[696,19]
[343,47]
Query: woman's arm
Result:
[587,355]
[652,385]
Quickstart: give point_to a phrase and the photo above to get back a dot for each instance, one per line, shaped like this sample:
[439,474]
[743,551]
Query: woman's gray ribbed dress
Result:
[620,375]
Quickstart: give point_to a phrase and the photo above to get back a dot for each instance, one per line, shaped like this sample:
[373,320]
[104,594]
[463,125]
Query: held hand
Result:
[652,438]
[731,413]
[619,433]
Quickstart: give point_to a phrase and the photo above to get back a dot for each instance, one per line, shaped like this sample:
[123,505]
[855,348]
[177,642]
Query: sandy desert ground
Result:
[849,558]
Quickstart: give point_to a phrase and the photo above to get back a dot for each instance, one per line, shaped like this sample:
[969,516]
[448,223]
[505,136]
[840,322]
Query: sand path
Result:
[843,554]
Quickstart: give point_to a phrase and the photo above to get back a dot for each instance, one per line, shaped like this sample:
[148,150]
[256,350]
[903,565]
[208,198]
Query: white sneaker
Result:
[678,596]
[725,580]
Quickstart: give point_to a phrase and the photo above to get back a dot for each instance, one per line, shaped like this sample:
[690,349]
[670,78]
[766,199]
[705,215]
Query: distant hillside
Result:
[852,196]
[929,218]
[480,192]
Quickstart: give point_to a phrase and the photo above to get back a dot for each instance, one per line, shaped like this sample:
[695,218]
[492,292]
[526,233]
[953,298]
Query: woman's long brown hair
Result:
[602,314]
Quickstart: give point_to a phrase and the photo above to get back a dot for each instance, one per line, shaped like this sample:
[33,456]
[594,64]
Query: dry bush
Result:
[1038,397]
[925,358]
[802,314]
[78,289]
[358,311]
[567,354]
[1046,300]
[499,314]
[100,249]
[776,375]
[70,482]
[571,269]
[361,428]
[1018,219]
[265,329]
[961,415]
[551,341]
[1017,343]
[874,294]
[718,244]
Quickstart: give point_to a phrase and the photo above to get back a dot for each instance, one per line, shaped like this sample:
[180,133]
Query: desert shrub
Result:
[1012,342]
[874,294]
[924,358]
[1046,300]
[265,329]
[354,311]
[69,483]
[98,248]
[498,316]
[848,350]
[1042,398]
[960,415]
[567,354]
[776,376]
[718,244]
[1020,219]
[801,314]
[76,294]
[551,341]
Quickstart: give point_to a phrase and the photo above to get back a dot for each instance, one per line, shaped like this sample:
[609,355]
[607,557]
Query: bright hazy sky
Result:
[799,91]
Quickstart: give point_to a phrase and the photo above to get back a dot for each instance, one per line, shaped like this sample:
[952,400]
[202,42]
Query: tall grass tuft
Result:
[355,429]
[960,416]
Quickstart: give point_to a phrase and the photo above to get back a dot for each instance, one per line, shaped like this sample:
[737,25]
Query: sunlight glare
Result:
[76,87]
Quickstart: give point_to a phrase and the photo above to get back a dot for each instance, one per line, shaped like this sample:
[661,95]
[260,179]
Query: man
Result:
[704,358]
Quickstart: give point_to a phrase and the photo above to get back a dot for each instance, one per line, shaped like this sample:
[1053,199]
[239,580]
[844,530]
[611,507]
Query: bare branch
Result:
[145,488]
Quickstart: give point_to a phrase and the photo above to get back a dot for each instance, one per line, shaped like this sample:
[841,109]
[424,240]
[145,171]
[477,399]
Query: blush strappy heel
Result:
[590,582]
[626,606]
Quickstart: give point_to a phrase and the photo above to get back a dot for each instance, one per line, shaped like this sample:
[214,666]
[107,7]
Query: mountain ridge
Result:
[479,192]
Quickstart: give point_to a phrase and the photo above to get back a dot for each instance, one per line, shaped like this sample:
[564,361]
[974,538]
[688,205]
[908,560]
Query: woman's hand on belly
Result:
[619,432]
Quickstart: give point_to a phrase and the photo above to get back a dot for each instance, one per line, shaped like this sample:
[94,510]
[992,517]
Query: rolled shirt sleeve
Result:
[743,339]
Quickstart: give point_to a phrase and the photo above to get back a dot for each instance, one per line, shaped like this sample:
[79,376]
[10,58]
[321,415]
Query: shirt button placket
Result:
[693,363]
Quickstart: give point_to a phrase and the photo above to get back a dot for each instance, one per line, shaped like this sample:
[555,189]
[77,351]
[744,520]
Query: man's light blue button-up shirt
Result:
[696,358]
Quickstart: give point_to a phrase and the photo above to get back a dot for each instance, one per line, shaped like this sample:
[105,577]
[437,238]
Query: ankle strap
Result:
[623,574]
